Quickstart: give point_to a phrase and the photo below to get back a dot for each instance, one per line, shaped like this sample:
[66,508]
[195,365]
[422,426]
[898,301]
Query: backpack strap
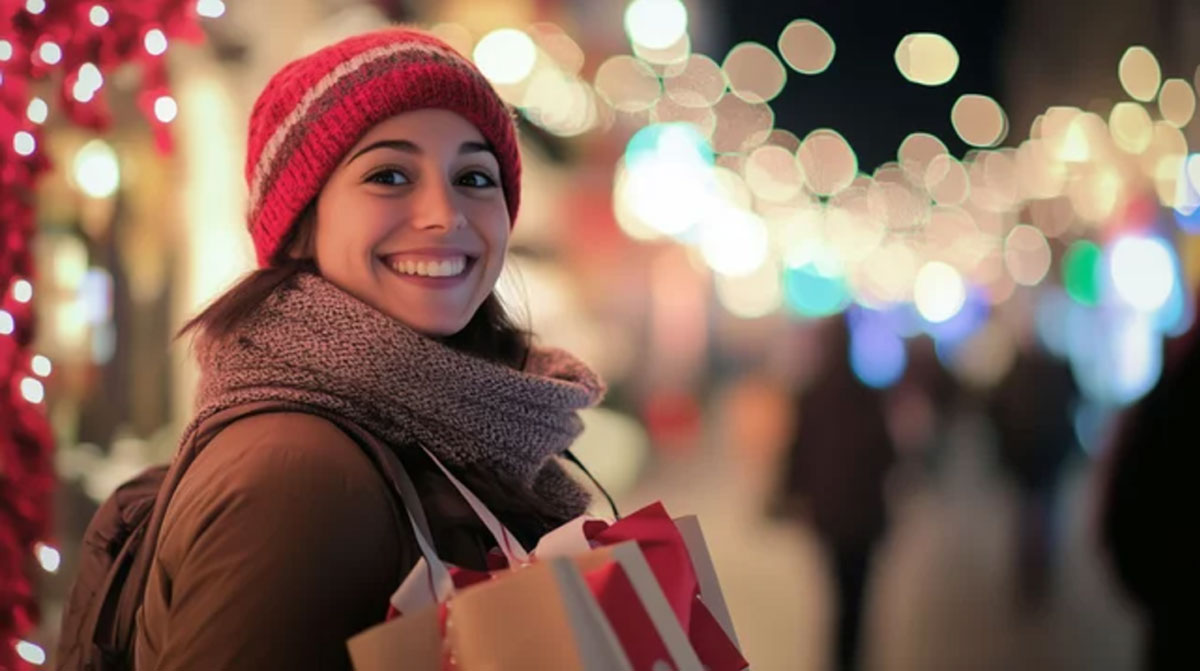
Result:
[114,619]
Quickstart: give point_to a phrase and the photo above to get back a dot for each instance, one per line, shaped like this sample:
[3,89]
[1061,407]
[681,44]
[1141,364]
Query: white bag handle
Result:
[429,581]
[440,584]
[505,540]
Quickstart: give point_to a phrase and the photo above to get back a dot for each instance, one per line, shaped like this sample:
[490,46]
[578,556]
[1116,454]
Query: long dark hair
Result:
[491,333]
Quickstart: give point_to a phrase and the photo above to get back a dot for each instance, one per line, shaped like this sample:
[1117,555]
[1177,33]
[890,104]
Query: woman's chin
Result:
[432,325]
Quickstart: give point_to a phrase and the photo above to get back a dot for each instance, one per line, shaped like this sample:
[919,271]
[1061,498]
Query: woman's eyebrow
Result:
[469,147]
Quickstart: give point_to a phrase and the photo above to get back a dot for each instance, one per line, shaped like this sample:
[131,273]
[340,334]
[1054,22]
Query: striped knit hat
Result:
[317,107]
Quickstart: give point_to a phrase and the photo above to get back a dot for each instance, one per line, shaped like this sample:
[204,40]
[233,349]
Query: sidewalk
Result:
[941,599]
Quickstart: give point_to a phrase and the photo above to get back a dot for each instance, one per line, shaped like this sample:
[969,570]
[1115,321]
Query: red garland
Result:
[26,444]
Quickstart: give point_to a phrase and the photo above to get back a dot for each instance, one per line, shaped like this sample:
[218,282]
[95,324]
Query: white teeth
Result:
[447,268]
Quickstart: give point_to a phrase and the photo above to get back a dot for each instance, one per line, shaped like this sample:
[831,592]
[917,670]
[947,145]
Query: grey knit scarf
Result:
[314,344]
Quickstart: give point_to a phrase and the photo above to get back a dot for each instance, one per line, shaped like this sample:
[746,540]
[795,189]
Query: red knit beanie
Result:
[318,106]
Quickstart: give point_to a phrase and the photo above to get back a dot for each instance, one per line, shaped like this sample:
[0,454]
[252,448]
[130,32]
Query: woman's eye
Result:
[477,179]
[388,177]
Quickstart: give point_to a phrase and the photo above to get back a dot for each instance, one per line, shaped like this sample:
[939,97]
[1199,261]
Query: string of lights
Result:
[55,57]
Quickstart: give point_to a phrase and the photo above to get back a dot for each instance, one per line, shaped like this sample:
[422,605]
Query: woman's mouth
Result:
[431,271]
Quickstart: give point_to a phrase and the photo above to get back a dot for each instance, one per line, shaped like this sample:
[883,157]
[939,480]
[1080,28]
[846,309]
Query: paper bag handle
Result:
[505,540]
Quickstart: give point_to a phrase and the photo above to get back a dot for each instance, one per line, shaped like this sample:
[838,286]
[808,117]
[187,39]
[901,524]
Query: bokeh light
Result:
[1026,255]
[926,58]
[22,291]
[667,184]
[946,180]
[31,652]
[23,143]
[896,204]
[877,354]
[1142,270]
[741,125]
[938,292]
[666,110]
[1131,127]
[656,24]
[979,120]
[773,174]
[1177,102]
[673,55]
[814,290]
[1081,272]
[32,390]
[37,111]
[211,9]
[1139,73]
[806,47]
[916,152]
[828,162]
[754,72]
[559,102]
[155,42]
[165,109]
[96,171]
[98,15]
[628,84]
[697,82]
[505,55]
[40,365]
[50,558]
[733,241]
[50,52]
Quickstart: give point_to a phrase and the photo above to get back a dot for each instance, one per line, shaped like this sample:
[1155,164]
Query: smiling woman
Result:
[384,180]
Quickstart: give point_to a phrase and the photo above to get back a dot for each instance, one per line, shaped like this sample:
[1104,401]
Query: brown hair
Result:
[491,334]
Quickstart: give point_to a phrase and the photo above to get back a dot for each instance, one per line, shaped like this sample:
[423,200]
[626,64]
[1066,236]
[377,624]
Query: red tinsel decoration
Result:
[52,40]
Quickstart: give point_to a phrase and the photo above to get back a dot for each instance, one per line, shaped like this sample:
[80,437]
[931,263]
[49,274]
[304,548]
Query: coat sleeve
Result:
[281,542]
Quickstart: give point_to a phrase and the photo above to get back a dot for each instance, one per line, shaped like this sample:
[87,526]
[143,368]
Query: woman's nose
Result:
[436,207]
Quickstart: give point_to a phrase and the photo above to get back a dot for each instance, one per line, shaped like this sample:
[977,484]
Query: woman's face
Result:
[413,221]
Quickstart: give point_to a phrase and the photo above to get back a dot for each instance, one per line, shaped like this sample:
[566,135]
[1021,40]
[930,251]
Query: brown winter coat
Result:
[282,541]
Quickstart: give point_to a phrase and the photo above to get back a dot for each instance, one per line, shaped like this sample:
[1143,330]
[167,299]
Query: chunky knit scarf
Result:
[312,343]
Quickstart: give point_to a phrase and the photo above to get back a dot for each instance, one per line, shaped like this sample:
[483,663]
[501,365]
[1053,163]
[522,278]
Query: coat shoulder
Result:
[280,542]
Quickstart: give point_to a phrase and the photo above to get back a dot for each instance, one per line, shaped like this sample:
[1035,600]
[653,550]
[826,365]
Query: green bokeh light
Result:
[1081,272]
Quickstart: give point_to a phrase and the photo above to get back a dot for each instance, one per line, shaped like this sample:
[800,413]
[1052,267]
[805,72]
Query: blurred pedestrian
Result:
[835,469]
[1032,412]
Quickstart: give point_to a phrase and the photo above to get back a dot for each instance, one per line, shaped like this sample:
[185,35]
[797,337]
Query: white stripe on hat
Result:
[275,143]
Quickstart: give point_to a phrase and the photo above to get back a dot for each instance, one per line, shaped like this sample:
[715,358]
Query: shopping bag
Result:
[541,616]
[672,594]
[706,573]
[678,555]
[630,596]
